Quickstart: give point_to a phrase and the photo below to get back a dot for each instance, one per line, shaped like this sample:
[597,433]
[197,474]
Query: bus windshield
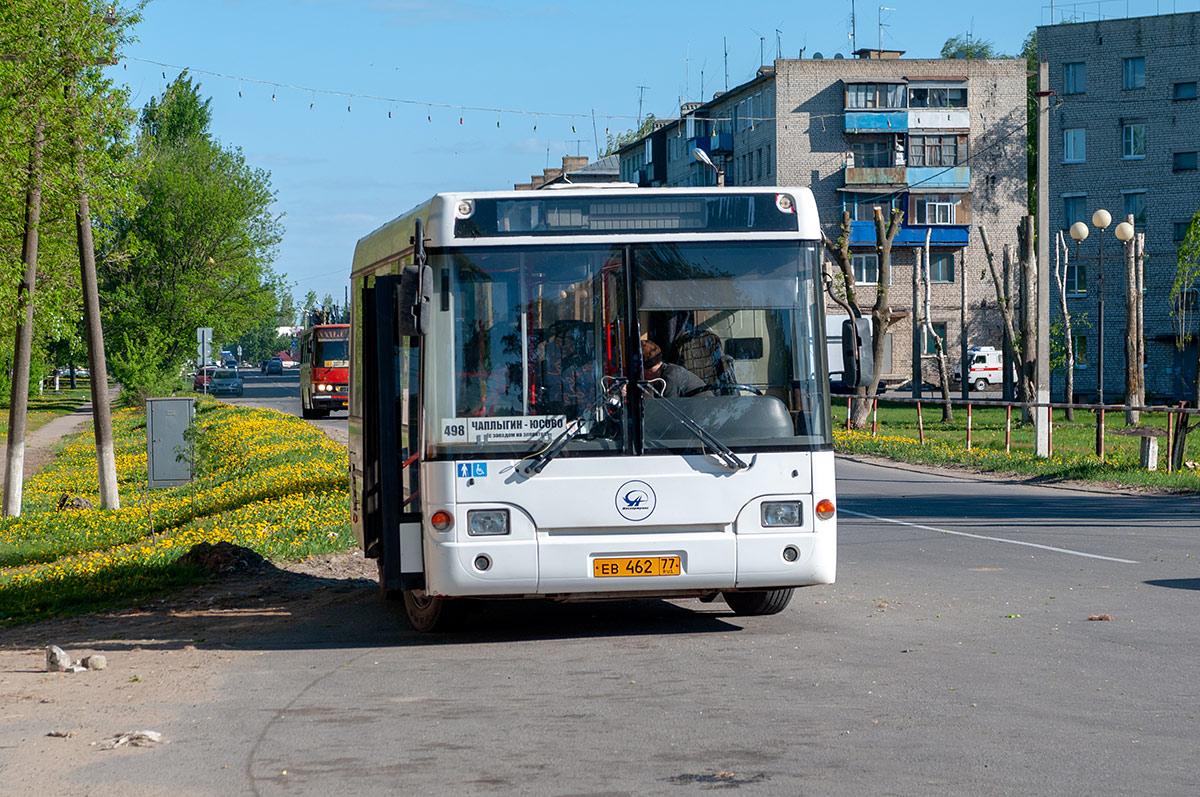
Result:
[331,347]
[539,339]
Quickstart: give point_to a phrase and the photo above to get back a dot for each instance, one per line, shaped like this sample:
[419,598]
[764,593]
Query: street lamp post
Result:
[1101,219]
[1079,233]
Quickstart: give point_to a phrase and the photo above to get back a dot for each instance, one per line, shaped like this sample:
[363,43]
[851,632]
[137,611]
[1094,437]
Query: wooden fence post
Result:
[920,425]
[874,414]
[1007,428]
[1100,433]
[968,427]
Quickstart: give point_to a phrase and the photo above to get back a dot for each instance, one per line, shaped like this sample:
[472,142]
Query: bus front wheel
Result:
[428,614]
[759,601]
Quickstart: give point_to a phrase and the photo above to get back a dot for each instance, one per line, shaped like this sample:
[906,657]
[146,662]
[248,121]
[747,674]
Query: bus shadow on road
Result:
[1176,583]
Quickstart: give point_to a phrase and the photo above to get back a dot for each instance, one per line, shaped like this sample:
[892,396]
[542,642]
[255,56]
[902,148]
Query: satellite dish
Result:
[838,57]
[817,56]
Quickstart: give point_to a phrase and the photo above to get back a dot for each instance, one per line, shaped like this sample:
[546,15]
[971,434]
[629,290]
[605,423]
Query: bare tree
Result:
[927,322]
[1135,353]
[881,311]
[1009,315]
[1062,257]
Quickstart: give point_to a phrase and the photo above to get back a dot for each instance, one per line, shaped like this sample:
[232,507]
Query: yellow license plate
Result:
[636,566]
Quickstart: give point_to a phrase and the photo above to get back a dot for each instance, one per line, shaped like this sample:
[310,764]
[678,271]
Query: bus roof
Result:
[578,214]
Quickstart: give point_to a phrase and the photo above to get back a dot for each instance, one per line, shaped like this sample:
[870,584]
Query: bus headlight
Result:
[487,522]
[781,513]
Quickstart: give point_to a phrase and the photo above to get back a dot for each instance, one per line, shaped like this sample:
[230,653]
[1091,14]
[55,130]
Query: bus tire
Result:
[758,601]
[428,614]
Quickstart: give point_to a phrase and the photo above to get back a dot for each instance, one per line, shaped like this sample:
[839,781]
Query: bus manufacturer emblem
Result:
[635,500]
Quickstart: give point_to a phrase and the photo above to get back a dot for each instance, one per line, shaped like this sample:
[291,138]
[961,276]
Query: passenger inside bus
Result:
[673,381]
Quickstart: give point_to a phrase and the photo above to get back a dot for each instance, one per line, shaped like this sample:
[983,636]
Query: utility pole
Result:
[18,407]
[1041,416]
[641,96]
[964,365]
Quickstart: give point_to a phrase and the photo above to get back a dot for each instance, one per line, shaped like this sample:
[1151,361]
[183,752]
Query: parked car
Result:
[202,378]
[225,380]
[275,366]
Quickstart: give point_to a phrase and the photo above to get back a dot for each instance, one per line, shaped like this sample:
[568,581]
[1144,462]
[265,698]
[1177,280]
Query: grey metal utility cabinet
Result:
[166,421]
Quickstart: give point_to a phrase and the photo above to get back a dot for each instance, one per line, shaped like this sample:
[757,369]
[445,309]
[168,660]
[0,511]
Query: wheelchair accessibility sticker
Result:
[469,470]
[635,500]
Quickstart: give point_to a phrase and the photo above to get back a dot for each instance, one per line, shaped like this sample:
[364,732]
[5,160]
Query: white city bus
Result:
[506,442]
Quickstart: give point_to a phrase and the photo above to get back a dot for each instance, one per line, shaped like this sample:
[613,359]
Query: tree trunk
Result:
[106,461]
[1063,255]
[1003,299]
[1132,365]
[938,344]
[881,313]
[18,408]
[1027,373]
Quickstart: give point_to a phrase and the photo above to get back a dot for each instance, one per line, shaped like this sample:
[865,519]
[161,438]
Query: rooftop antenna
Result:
[577,142]
[881,27]
[778,45]
[762,40]
[725,45]
[853,32]
[641,95]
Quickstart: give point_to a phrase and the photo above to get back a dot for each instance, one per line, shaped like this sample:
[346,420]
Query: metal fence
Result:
[1174,416]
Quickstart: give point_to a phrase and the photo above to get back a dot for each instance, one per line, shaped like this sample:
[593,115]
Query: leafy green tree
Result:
[198,250]
[1183,304]
[633,134]
[1029,53]
[962,46]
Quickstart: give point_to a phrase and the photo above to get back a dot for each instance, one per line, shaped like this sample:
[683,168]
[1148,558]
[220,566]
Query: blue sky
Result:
[342,167]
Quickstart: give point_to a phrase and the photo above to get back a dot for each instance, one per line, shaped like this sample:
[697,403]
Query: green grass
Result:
[50,405]
[1074,444]
[265,480]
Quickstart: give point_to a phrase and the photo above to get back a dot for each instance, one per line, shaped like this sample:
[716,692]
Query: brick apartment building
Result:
[1123,137]
[942,140]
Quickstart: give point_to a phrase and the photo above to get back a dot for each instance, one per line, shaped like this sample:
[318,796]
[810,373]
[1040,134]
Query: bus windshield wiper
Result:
[723,452]
[542,458]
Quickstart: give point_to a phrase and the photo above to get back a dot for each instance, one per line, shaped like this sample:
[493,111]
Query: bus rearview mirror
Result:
[858,362]
[413,302]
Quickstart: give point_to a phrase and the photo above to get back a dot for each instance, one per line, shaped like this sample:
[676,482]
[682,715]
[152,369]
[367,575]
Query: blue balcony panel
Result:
[862,233]
[721,142]
[929,177]
[876,121]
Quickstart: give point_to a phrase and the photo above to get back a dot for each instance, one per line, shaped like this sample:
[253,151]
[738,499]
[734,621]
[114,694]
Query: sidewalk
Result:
[41,443]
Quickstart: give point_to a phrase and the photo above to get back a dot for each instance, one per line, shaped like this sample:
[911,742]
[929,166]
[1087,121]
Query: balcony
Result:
[939,119]
[876,121]
[930,177]
[862,233]
[868,175]
[721,142]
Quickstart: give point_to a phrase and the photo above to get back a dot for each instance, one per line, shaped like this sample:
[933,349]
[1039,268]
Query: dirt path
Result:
[42,443]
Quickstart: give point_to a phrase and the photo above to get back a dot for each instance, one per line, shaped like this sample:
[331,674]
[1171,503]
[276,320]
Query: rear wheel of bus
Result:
[757,602]
[427,614]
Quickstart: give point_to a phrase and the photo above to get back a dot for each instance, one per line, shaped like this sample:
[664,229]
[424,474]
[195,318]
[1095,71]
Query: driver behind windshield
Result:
[673,381]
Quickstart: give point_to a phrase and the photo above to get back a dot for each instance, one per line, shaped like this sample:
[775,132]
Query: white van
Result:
[987,367]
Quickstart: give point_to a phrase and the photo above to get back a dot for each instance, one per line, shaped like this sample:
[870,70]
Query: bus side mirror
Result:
[414,307]
[858,362]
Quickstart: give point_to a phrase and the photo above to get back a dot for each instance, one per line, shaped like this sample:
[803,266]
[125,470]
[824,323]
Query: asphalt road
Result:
[955,655]
[282,392]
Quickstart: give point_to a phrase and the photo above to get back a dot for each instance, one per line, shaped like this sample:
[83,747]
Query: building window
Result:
[935,151]
[866,268]
[1181,228]
[927,344]
[1133,140]
[1076,279]
[862,206]
[1135,205]
[941,267]
[873,152]
[1074,77]
[1081,352]
[1184,162]
[1188,299]
[1133,75]
[1184,91]
[1074,145]
[874,95]
[1074,209]
[933,208]
[937,97]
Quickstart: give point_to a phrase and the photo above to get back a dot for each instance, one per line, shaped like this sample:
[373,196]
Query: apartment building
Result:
[941,140]
[1123,137]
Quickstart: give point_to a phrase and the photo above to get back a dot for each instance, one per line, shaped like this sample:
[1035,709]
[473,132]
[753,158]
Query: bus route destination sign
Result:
[495,430]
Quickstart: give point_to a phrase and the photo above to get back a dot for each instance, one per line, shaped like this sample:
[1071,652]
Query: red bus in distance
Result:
[324,369]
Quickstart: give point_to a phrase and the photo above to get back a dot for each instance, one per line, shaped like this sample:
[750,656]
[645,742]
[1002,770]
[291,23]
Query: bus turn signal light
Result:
[825,509]
[441,520]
